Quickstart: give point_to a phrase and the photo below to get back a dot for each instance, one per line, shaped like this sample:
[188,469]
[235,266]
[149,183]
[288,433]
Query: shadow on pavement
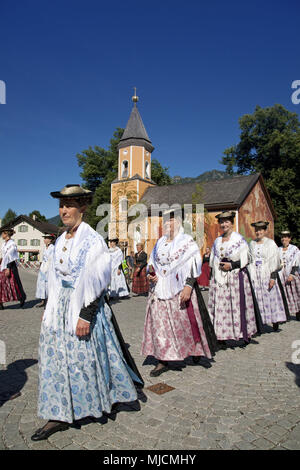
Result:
[13,379]
[295,368]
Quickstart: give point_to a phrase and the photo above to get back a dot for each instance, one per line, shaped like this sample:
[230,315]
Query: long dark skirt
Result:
[140,284]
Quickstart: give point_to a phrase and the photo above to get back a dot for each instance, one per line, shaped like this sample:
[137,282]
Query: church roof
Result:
[135,132]
[217,194]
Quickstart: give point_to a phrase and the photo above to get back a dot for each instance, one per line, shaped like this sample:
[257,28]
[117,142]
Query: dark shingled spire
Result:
[135,132]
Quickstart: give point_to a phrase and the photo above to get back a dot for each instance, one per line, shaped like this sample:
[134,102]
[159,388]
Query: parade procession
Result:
[149,234]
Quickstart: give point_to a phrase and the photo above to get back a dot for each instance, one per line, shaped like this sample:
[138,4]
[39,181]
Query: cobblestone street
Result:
[248,399]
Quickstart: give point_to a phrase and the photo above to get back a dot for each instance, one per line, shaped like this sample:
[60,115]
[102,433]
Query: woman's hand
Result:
[290,278]
[118,272]
[7,272]
[153,279]
[185,294]
[225,266]
[82,328]
[271,284]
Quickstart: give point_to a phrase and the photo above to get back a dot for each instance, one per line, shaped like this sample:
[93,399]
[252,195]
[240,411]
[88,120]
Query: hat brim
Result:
[59,195]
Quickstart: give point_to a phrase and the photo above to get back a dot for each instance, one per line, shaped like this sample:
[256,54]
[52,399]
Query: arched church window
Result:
[147,170]
[125,169]
[123,206]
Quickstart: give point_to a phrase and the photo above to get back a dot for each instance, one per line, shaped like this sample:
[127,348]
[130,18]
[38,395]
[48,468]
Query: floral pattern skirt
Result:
[168,333]
[81,377]
[292,291]
[118,286]
[225,310]
[42,286]
[270,302]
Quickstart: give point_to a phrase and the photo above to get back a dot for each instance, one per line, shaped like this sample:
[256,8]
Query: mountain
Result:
[54,220]
[206,176]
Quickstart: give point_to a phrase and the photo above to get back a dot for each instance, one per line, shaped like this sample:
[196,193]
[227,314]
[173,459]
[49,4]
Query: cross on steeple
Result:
[135,98]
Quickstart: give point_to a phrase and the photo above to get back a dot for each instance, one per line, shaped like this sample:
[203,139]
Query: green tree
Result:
[100,168]
[9,216]
[38,216]
[270,144]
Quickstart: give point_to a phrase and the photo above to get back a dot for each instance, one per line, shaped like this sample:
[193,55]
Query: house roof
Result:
[43,227]
[217,194]
[135,132]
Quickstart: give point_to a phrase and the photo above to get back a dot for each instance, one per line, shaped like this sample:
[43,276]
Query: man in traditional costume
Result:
[118,286]
[289,274]
[42,280]
[264,267]
[84,366]
[232,305]
[140,284]
[177,324]
[10,283]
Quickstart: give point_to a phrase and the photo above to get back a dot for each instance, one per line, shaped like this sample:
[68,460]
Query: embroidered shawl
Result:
[236,249]
[9,253]
[291,256]
[173,263]
[90,271]
[269,257]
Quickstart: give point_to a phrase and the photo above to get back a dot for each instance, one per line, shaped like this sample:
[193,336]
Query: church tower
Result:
[134,172]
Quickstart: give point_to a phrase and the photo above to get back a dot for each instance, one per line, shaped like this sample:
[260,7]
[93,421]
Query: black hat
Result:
[172,213]
[116,240]
[72,191]
[260,224]
[9,230]
[226,215]
[50,235]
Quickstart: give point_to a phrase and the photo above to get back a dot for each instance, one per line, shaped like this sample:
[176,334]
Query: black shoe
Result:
[298,316]
[42,434]
[222,345]
[1,307]
[201,361]
[275,326]
[22,302]
[156,373]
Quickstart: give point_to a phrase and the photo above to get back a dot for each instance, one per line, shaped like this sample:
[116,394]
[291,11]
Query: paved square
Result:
[248,399]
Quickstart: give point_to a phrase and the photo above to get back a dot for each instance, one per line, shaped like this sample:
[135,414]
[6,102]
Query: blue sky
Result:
[70,67]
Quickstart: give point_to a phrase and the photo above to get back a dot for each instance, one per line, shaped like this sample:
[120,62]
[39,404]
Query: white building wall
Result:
[31,234]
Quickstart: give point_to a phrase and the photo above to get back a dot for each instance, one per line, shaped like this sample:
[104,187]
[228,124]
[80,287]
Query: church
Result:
[246,195]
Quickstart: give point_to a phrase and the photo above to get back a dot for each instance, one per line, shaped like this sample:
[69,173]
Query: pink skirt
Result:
[168,334]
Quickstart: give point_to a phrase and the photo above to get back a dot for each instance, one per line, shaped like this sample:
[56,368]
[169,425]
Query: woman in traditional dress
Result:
[140,284]
[118,286]
[84,366]
[10,283]
[177,324]
[232,305]
[203,279]
[289,274]
[264,268]
[42,280]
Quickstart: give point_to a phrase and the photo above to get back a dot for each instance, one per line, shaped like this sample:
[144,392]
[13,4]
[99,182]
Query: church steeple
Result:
[135,147]
[135,132]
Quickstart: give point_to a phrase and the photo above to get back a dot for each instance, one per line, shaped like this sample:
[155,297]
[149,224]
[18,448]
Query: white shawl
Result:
[116,255]
[236,249]
[46,259]
[90,270]
[269,256]
[9,253]
[292,258]
[173,263]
